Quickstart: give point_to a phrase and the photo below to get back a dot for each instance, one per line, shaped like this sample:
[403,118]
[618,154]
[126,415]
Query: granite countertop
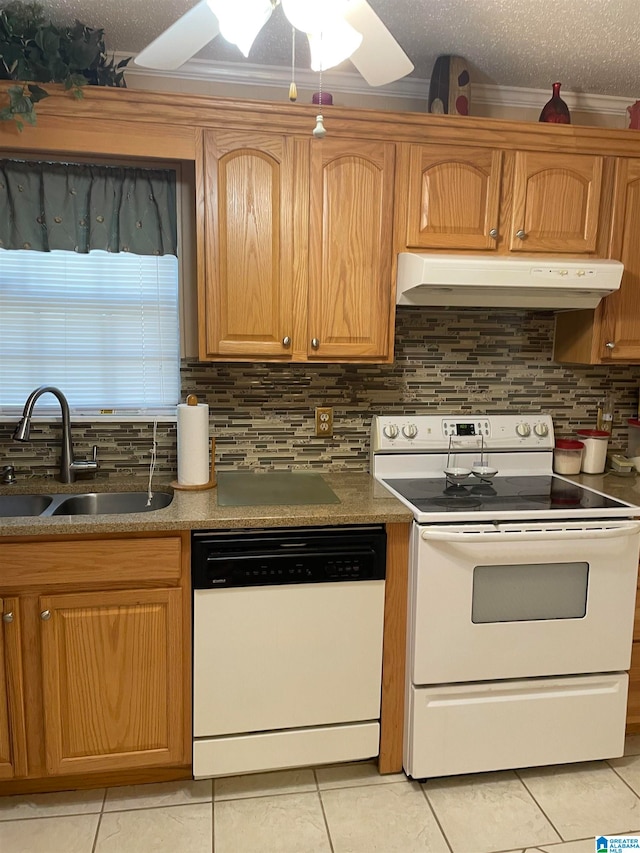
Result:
[362,501]
[624,487]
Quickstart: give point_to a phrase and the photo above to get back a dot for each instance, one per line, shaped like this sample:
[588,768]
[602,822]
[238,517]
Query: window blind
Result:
[103,327]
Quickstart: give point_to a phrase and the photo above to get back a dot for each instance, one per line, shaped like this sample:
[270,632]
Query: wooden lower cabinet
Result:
[633,702]
[108,668]
[94,681]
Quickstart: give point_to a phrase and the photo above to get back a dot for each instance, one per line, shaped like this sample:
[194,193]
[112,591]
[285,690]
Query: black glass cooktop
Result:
[500,494]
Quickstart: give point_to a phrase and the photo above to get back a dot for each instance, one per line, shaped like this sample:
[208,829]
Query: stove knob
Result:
[523,430]
[410,431]
[541,430]
[391,431]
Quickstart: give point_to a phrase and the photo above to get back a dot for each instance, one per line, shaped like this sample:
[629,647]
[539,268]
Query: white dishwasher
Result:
[287,647]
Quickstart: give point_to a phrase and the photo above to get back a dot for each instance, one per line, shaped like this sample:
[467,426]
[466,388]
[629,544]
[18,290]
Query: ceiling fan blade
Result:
[379,59]
[182,40]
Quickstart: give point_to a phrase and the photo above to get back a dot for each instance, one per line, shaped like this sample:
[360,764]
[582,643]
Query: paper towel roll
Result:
[193,444]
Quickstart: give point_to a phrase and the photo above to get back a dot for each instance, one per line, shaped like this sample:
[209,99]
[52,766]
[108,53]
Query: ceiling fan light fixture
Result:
[313,16]
[241,20]
[333,45]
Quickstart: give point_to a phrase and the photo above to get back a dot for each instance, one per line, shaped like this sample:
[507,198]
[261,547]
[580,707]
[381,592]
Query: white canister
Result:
[595,450]
[567,456]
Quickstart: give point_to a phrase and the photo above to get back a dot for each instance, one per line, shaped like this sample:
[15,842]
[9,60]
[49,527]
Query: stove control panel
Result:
[437,433]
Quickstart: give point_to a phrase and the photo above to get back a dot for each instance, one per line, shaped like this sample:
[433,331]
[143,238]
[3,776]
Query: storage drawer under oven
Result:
[469,728]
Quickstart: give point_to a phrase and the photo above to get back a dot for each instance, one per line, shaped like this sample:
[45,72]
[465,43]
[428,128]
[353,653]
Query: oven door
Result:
[497,601]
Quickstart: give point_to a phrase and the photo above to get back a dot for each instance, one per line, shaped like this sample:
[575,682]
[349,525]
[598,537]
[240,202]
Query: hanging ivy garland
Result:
[36,51]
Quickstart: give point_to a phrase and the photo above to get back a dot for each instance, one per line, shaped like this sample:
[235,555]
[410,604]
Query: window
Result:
[103,327]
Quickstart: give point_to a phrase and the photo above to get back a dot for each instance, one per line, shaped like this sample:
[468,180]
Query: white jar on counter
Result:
[567,456]
[595,449]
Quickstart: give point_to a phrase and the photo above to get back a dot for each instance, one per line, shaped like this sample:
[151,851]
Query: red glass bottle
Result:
[556,110]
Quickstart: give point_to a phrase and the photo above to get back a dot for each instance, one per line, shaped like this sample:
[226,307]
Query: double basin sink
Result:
[93,503]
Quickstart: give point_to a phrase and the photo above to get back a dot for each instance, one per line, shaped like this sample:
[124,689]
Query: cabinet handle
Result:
[315,343]
[521,234]
[45,615]
[493,233]
[7,617]
[286,341]
[610,344]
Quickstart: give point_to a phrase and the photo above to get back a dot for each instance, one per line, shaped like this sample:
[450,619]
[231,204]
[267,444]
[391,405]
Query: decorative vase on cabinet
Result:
[555,110]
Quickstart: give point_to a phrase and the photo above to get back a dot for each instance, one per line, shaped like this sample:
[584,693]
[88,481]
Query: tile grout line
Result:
[213,816]
[97,833]
[324,814]
[430,806]
[551,823]
[622,779]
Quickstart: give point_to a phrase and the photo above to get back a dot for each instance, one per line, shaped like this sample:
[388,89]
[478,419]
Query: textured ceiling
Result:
[589,45]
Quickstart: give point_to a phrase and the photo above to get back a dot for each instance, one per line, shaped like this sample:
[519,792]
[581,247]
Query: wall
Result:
[453,361]
[408,95]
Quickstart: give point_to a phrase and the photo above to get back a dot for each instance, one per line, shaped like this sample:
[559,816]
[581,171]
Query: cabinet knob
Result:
[315,343]
[493,233]
[521,234]
[45,615]
[610,344]
[7,617]
[286,341]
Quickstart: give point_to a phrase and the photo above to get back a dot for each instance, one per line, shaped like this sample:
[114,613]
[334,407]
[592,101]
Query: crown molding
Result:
[346,82]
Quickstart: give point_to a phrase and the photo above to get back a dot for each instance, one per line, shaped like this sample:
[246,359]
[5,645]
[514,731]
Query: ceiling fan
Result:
[336,29]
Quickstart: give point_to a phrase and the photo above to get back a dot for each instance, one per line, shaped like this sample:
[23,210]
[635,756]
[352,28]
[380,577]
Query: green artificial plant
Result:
[36,51]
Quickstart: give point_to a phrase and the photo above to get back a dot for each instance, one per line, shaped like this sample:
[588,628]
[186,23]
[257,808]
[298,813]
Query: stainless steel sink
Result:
[110,503]
[93,503]
[16,505]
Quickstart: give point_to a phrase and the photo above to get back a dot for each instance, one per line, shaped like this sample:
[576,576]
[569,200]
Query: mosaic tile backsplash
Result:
[448,360]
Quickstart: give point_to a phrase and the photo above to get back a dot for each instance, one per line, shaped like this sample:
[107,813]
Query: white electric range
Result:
[521,596]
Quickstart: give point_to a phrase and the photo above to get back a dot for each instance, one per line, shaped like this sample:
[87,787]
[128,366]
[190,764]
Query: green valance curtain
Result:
[45,206]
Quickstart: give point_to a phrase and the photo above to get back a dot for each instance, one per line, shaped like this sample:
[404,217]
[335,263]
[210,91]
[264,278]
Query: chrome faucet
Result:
[69,466]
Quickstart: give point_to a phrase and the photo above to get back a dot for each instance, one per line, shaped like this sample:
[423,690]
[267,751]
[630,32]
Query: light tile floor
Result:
[342,809]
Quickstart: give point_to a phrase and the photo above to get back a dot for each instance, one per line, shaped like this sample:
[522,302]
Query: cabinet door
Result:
[246,298]
[452,197]
[350,250]
[13,745]
[556,202]
[112,670]
[621,310]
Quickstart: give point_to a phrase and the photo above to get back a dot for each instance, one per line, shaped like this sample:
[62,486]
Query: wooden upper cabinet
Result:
[246,297]
[556,202]
[112,670]
[620,326]
[486,199]
[448,197]
[350,297]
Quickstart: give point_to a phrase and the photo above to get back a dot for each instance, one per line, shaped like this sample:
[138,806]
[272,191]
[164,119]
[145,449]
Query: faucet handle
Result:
[84,466]
[8,475]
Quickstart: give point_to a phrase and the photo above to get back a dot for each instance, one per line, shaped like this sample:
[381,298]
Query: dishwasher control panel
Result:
[288,556]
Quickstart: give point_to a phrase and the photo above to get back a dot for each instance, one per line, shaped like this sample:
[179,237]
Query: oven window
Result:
[526,592]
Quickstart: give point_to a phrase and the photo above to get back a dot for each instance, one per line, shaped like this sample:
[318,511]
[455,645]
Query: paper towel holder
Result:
[212,476]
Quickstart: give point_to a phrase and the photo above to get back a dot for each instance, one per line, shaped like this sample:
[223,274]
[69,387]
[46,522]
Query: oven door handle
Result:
[528,535]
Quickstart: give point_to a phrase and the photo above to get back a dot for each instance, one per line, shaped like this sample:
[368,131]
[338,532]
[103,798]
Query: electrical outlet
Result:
[324,421]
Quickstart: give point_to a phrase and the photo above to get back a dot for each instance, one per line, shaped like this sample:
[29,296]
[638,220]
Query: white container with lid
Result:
[633,450]
[595,450]
[567,456]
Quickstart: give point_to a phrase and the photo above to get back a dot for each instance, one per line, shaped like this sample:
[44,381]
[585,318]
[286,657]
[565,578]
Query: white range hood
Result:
[479,281]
